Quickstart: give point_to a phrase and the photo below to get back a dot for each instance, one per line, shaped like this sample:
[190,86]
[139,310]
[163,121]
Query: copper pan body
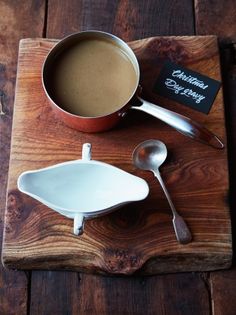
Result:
[81,123]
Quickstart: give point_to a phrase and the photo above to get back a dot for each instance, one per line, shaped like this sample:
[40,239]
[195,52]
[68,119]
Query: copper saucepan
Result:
[181,123]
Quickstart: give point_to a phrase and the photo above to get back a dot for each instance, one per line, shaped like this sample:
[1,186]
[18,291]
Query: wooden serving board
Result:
[138,237]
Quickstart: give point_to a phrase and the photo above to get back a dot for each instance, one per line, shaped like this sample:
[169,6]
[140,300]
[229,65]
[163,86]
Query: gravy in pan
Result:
[93,78]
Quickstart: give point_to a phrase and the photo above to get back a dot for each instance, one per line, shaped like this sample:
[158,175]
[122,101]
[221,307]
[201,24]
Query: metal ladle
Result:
[150,155]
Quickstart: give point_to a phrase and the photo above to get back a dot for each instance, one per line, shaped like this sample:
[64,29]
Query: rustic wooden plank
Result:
[13,292]
[150,251]
[59,293]
[223,285]
[127,19]
[87,294]
[216,18]
[101,15]
[221,20]
[153,18]
[18,19]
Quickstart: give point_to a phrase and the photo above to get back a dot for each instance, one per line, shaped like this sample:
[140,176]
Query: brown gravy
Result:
[93,78]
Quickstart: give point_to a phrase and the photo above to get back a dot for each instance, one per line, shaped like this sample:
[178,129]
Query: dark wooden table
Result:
[43,292]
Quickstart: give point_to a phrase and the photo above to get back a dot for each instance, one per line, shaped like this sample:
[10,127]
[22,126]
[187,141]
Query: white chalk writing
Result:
[178,89]
[188,78]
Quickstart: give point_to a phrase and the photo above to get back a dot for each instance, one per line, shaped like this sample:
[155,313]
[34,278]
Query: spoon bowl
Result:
[150,155]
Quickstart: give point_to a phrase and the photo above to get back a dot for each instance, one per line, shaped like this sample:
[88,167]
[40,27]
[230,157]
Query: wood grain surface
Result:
[122,18]
[140,236]
[41,292]
[55,283]
[15,23]
[220,17]
[223,285]
[119,295]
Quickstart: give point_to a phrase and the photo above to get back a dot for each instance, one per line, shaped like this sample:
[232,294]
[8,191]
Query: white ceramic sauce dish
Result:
[82,189]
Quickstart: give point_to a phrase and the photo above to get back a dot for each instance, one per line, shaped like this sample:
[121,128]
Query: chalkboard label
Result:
[187,87]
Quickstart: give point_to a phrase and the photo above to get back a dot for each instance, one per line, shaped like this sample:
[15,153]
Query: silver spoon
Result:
[150,155]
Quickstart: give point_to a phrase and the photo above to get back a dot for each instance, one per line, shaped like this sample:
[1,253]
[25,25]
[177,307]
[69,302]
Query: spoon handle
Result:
[181,123]
[182,232]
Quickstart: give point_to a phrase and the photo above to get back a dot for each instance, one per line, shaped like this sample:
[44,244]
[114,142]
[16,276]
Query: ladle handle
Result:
[182,232]
[183,124]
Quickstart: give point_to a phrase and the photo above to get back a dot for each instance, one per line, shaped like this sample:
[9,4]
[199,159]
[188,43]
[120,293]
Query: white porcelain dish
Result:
[82,189]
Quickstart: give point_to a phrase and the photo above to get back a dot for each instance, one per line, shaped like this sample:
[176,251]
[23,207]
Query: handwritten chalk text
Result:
[188,78]
[178,89]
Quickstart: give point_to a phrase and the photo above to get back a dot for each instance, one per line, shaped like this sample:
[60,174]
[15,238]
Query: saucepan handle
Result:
[183,124]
